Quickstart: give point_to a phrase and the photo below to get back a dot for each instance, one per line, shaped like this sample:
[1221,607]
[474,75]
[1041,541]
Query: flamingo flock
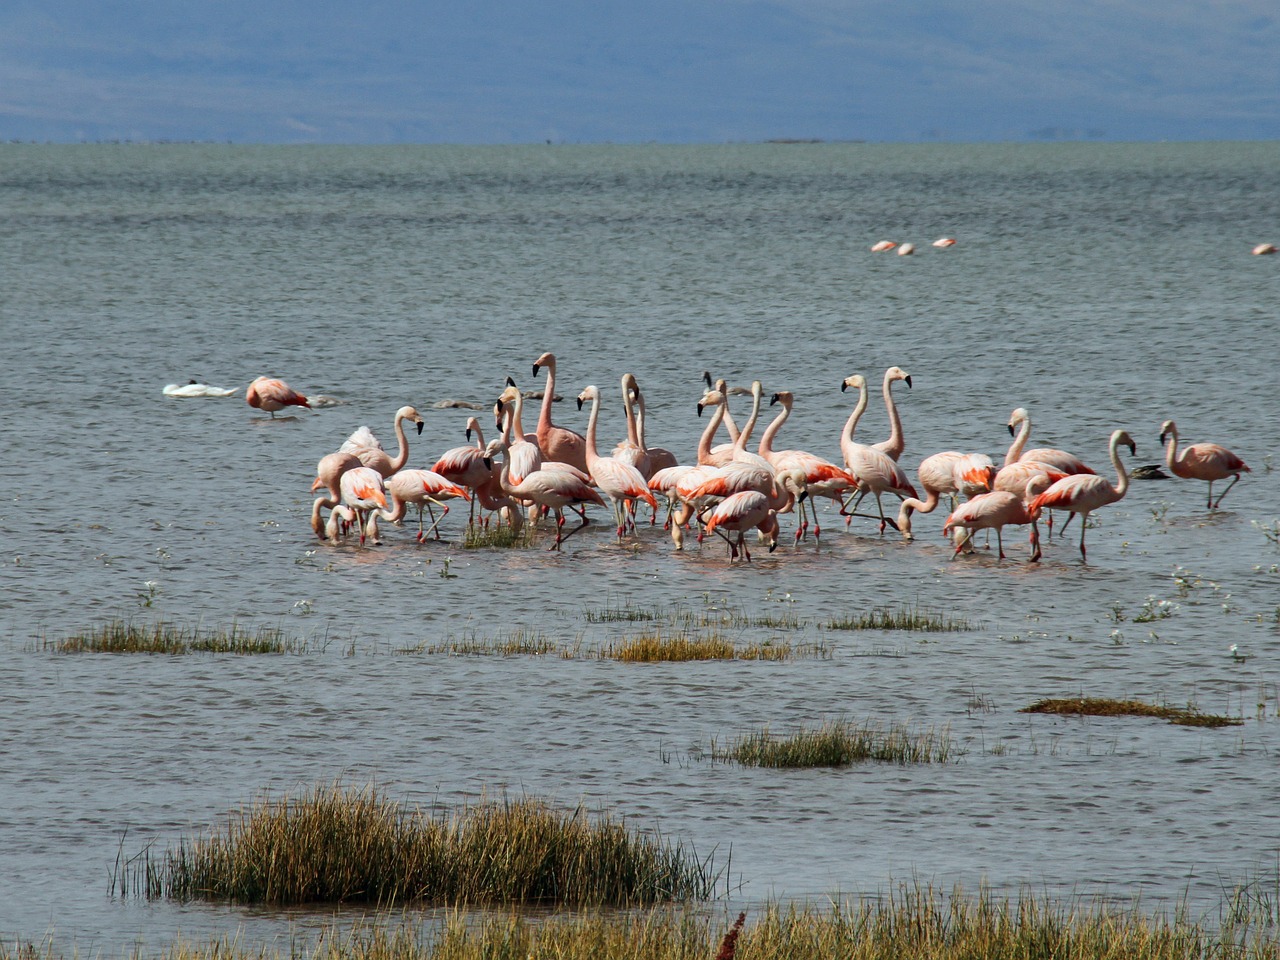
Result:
[724,490]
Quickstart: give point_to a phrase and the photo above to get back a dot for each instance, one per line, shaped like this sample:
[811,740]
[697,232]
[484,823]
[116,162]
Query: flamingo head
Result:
[1166,428]
[710,399]
[546,360]
[1016,419]
[857,381]
[1122,436]
[589,393]
[410,414]
[784,397]
[897,373]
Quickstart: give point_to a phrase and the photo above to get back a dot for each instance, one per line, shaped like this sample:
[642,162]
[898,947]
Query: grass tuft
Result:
[1104,707]
[901,617]
[682,646]
[837,743]
[335,845]
[498,536]
[519,642]
[120,636]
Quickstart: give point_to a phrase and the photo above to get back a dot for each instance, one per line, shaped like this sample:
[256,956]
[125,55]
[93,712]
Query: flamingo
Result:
[367,447]
[266,393]
[945,242]
[751,508]
[995,511]
[465,465]
[824,478]
[424,488]
[876,472]
[329,473]
[363,493]
[619,480]
[952,473]
[524,455]
[660,458]
[894,446]
[1202,461]
[906,249]
[1013,477]
[631,450]
[880,246]
[557,443]
[1020,430]
[547,489]
[1084,493]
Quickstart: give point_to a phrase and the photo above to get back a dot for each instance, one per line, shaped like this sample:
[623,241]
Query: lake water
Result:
[1100,286]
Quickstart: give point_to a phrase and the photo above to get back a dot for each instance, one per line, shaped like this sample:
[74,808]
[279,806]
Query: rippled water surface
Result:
[1100,286]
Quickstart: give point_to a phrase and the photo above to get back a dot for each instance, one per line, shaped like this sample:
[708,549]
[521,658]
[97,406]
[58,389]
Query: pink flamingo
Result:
[367,447]
[995,511]
[267,393]
[465,465]
[423,488]
[1020,430]
[823,478]
[363,493]
[524,455]
[1084,493]
[751,508]
[949,473]
[1202,461]
[660,458]
[619,480]
[557,443]
[547,489]
[876,472]
[894,446]
[329,473]
[1013,477]
[631,450]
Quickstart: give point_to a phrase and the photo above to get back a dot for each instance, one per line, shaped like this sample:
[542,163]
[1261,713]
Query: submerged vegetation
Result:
[837,743]
[901,617]
[335,845]
[1104,707]
[653,647]
[912,921]
[120,636]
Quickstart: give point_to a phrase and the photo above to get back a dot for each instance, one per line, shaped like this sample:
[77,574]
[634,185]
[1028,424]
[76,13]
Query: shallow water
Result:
[1099,286]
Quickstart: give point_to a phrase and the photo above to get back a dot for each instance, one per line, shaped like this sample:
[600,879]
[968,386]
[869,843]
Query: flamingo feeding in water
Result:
[951,473]
[422,488]
[547,489]
[995,511]
[269,394]
[1202,461]
[1084,493]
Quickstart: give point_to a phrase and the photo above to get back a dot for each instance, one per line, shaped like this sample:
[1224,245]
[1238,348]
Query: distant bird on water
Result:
[271,395]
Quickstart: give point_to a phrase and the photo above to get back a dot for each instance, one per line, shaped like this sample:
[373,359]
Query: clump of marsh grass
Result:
[519,642]
[657,646]
[498,536]
[901,617]
[837,743]
[1106,707]
[624,613]
[121,636]
[335,845]
[910,922]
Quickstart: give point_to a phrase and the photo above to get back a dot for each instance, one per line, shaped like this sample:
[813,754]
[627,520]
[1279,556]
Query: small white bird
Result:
[193,389]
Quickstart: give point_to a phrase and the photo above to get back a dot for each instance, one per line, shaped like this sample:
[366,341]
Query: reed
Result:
[498,536]
[625,613]
[901,617]
[910,922]
[837,743]
[1105,707]
[657,646]
[336,845]
[519,642]
[120,636]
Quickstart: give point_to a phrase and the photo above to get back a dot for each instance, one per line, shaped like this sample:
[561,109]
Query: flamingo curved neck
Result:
[851,425]
[402,455]
[704,442]
[633,433]
[592,454]
[1122,483]
[1019,441]
[741,443]
[766,441]
[544,415]
[1171,448]
[895,444]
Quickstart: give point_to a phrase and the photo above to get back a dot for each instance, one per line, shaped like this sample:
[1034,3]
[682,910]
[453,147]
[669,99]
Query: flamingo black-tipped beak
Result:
[467,433]
[488,462]
[420,426]
[699,409]
[1162,436]
[706,375]
[804,495]
[536,368]
[773,400]
[579,403]
[843,386]
[1133,449]
[510,382]
[907,381]
[773,545]
[1012,432]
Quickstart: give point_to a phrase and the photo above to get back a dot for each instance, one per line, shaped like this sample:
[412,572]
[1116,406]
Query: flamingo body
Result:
[269,394]
[1201,461]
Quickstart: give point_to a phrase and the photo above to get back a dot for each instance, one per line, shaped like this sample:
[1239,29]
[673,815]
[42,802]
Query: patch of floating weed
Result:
[336,845]
[901,617]
[837,743]
[519,642]
[1105,707]
[498,536]
[121,636]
